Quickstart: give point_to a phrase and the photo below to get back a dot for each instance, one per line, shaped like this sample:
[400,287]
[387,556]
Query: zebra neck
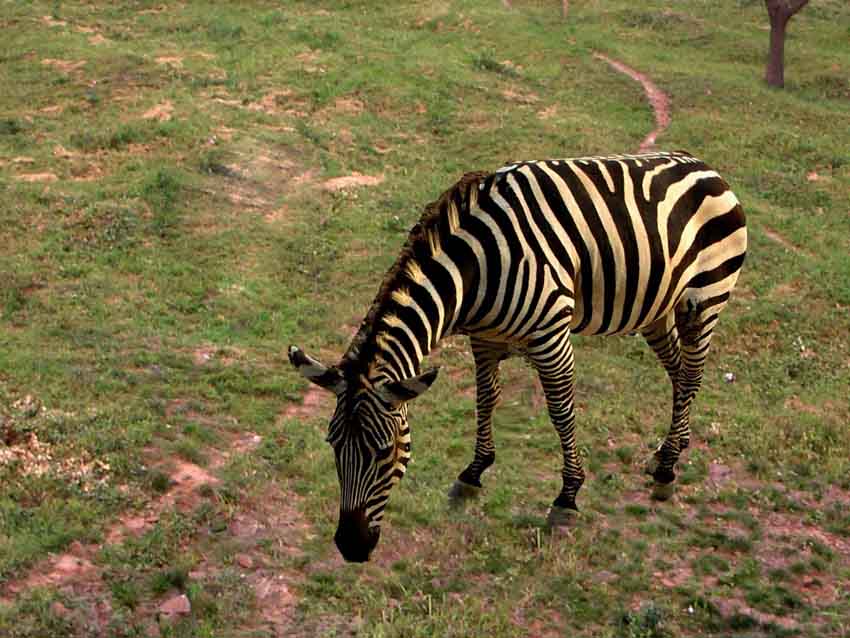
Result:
[407,330]
[421,297]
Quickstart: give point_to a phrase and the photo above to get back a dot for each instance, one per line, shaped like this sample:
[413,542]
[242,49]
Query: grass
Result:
[149,290]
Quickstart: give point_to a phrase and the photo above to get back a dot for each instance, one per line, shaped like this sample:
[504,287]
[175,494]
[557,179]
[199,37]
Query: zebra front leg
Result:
[552,356]
[488,390]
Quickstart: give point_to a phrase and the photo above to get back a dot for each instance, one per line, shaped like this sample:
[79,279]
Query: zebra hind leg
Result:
[692,330]
[552,356]
[488,390]
[663,337]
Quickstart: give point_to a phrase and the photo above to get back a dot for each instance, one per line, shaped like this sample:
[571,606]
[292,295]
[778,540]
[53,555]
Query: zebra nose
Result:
[354,538]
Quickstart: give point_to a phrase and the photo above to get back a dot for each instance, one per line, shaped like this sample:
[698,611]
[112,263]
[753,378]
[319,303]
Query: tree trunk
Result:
[780,12]
[775,72]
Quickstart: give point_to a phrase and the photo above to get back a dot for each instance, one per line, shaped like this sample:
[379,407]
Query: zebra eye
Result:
[384,453]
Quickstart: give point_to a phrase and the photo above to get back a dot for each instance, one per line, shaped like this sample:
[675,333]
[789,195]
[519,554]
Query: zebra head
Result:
[371,441]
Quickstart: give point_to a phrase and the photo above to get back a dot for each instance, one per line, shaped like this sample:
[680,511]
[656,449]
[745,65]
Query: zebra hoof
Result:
[461,491]
[562,517]
[663,491]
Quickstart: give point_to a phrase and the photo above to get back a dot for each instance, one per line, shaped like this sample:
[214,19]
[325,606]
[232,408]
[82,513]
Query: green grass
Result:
[148,293]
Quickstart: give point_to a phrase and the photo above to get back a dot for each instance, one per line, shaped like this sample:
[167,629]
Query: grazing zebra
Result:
[519,260]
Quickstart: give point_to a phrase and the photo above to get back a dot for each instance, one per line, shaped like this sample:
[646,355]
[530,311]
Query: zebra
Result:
[519,260]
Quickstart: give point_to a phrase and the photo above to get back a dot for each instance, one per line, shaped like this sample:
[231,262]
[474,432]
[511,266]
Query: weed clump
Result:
[647,622]
[486,62]
[10,126]
[161,190]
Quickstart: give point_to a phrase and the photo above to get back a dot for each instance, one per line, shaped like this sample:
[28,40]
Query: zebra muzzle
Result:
[354,537]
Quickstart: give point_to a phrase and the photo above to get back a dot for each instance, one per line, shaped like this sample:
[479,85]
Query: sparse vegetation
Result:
[167,231]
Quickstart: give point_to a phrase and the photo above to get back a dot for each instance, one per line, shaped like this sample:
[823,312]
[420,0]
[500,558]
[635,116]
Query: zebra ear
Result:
[402,391]
[315,371]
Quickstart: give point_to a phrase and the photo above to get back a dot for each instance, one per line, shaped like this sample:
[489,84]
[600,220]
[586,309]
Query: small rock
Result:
[245,561]
[729,377]
[176,606]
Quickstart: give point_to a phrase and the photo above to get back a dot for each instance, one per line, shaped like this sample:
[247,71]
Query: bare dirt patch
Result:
[351,105]
[185,479]
[161,112]
[65,66]
[735,605]
[281,101]
[269,527]
[277,215]
[275,599]
[256,179]
[797,404]
[305,178]
[659,100]
[63,153]
[211,353]
[175,61]
[36,177]
[308,61]
[781,528]
[674,577]
[777,237]
[315,401]
[53,22]
[354,180]
[72,572]
[86,172]
[527,97]
[548,113]
[719,474]
[342,106]
[74,565]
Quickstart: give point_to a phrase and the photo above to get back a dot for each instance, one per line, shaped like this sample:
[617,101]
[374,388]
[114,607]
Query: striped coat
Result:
[520,259]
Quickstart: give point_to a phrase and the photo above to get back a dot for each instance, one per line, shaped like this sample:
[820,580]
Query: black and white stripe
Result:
[519,260]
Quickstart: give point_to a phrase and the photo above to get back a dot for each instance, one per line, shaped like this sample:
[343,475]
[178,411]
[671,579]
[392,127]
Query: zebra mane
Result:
[440,219]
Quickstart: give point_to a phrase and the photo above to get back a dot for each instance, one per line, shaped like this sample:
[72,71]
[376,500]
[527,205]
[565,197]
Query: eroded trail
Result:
[260,531]
[657,98]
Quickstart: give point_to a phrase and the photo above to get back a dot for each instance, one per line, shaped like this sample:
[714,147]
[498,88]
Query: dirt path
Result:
[259,531]
[659,100]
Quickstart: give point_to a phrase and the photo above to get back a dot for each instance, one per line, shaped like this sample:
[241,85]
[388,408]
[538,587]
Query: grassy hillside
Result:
[171,219]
